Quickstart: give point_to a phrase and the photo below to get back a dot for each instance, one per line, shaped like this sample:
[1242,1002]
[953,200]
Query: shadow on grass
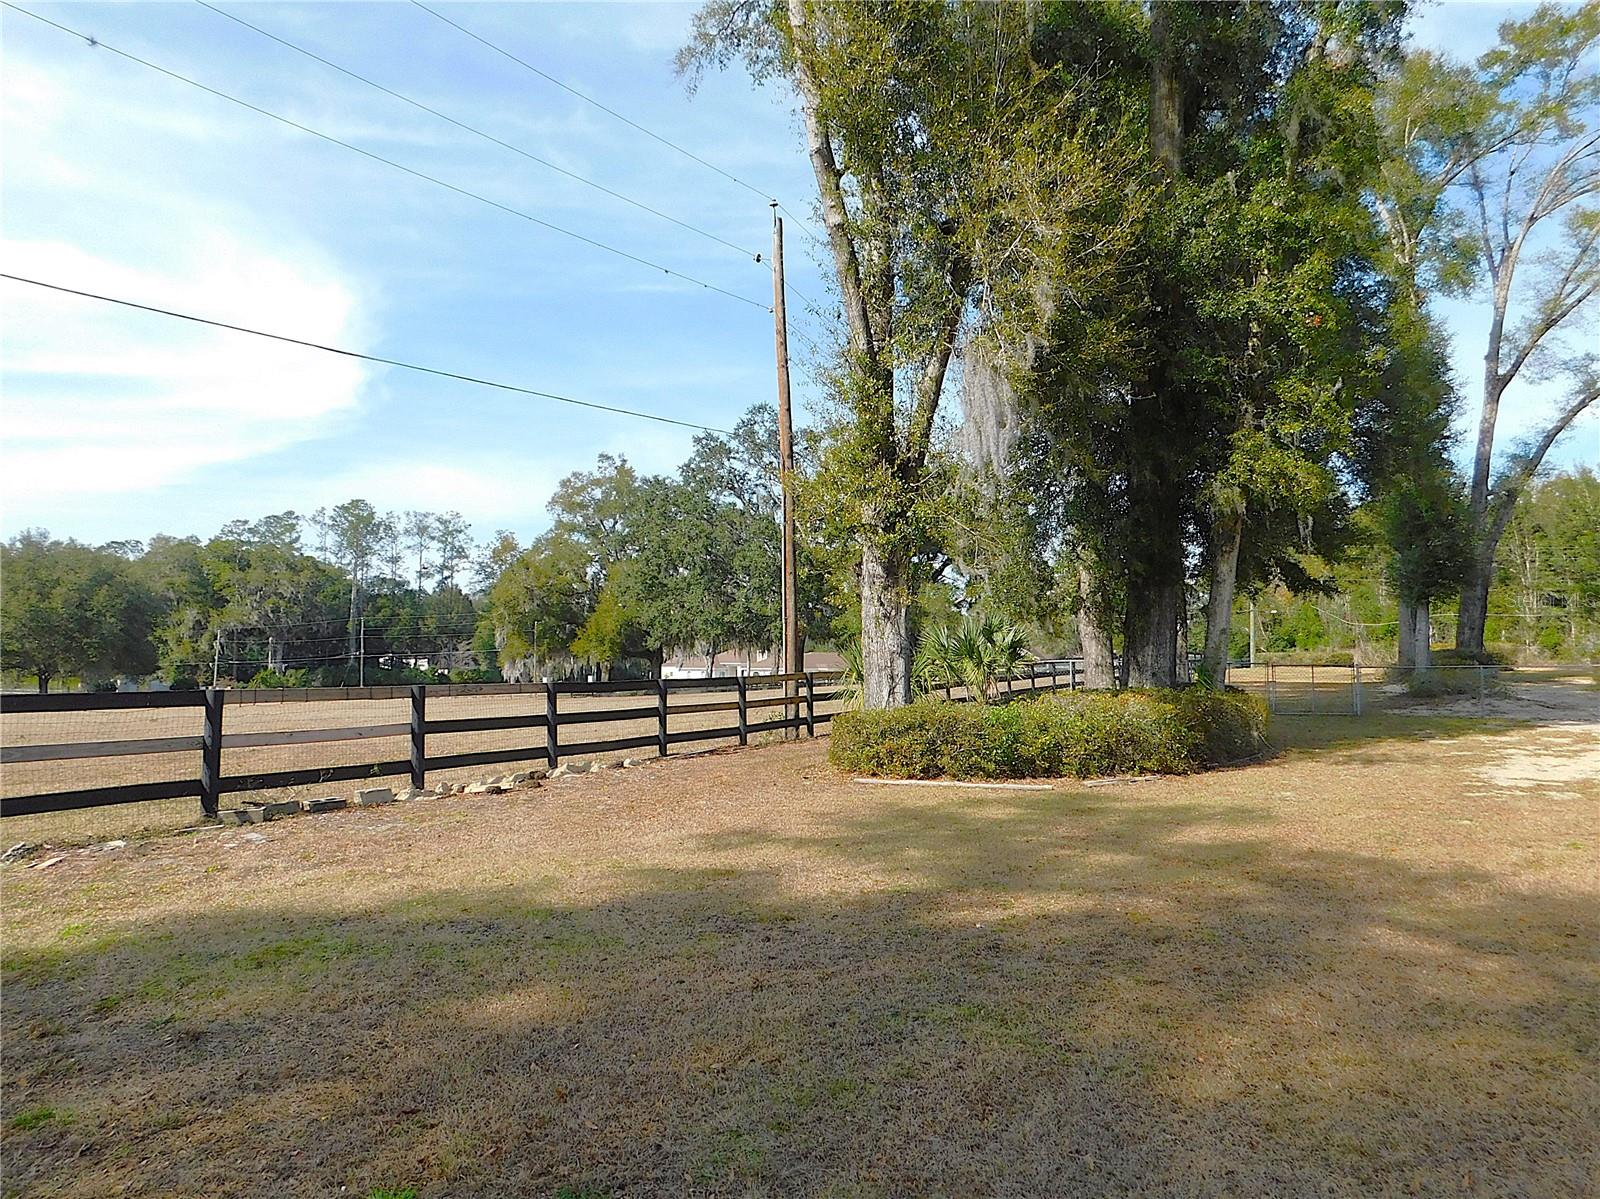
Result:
[1023,994]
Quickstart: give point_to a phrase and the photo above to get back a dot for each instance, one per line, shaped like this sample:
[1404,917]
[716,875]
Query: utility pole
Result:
[361,668]
[791,621]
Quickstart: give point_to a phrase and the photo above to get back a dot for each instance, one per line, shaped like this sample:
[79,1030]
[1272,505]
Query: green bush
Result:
[1083,734]
[1309,657]
[1466,657]
[273,678]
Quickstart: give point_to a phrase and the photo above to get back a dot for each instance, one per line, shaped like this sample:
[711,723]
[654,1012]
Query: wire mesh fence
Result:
[1485,689]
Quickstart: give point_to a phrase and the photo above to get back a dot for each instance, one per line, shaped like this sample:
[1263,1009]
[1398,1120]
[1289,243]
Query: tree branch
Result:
[834,213]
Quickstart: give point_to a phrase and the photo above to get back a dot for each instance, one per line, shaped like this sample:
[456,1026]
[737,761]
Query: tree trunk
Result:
[1219,604]
[275,651]
[885,630]
[1415,651]
[1474,610]
[1099,662]
[354,594]
[44,682]
[1150,643]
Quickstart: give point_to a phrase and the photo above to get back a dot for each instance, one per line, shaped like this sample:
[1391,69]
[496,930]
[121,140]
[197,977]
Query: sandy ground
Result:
[1367,967]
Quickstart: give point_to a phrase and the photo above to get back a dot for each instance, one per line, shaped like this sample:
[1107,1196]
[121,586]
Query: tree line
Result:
[633,567]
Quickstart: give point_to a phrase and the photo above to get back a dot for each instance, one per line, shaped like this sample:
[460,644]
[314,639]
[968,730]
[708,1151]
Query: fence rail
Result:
[661,704]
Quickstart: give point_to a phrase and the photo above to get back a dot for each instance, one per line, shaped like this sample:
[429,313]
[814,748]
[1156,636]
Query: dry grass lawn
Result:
[1367,967]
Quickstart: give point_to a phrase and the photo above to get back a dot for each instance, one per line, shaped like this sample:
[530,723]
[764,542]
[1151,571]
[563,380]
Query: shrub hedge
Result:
[1083,733]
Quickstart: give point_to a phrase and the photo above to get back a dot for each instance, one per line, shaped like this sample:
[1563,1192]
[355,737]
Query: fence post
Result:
[419,726]
[1482,695]
[1271,696]
[661,718]
[744,720]
[1356,686]
[1052,674]
[552,718]
[211,753]
[811,704]
[1312,703]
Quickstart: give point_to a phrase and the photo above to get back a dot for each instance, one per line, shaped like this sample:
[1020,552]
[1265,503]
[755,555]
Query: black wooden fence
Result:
[798,703]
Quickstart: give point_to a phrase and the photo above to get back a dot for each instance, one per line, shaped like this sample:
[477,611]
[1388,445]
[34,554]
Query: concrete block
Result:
[492,787]
[234,816]
[257,812]
[327,803]
[372,797]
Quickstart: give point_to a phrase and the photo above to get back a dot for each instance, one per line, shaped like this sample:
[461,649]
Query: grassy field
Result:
[1365,967]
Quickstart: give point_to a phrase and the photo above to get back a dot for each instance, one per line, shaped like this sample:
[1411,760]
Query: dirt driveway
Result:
[1367,967]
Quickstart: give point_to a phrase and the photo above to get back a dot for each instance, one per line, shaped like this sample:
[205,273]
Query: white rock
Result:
[492,787]
[20,850]
[46,864]
[371,797]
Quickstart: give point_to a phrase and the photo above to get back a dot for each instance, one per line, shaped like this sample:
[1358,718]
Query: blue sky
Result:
[115,179]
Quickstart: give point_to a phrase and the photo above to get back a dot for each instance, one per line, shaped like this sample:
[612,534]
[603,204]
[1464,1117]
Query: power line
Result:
[395,362]
[566,87]
[531,157]
[389,162]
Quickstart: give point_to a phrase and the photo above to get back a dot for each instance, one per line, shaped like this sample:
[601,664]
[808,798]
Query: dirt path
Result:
[1367,967]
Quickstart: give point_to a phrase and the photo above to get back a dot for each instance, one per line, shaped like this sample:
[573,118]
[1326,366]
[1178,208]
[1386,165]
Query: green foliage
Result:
[273,678]
[70,609]
[1082,734]
[976,653]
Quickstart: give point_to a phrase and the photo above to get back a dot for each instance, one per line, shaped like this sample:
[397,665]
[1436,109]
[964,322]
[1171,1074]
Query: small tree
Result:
[976,653]
[356,536]
[69,609]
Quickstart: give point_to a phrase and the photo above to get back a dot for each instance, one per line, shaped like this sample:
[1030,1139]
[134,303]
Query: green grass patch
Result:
[37,1117]
[1083,735]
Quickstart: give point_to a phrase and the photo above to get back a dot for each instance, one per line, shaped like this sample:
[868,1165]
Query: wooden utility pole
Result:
[791,620]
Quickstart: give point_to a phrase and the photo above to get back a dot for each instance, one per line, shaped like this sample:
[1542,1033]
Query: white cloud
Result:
[103,399]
